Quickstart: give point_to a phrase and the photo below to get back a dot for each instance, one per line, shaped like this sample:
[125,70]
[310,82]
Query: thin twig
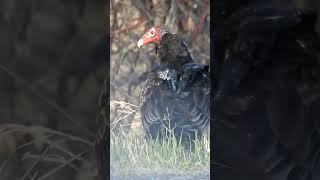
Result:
[35,163]
[140,22]
[198,27]
[61,166]
[3,165]
[122,91]
[64,150]
[51,159]
[32,129]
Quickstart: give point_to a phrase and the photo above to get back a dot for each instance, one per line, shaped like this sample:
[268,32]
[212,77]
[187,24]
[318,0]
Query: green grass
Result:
[131,153]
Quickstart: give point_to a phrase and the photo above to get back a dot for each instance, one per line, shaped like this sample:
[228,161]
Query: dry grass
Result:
[52,147]
[132,154]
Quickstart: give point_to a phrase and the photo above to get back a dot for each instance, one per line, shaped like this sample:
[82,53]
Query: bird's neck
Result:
[172,52]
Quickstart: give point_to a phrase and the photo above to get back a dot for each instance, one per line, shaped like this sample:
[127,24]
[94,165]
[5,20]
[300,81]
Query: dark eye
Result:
[152,32]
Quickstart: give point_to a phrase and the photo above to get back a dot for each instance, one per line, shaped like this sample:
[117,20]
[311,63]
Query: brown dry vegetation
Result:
[129,19]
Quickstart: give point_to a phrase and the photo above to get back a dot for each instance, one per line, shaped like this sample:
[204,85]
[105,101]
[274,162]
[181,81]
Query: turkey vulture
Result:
[175,95]
[266,94]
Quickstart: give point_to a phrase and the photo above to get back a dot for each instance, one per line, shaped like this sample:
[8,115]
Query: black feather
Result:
[176,94]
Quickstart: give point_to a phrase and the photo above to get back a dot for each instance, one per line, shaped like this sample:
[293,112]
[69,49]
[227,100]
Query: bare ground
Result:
[205,175]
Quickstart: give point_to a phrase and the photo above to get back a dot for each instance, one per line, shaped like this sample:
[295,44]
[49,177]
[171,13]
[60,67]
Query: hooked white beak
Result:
[140,43]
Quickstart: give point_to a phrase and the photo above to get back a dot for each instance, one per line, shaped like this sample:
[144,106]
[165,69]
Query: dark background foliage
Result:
[52,63]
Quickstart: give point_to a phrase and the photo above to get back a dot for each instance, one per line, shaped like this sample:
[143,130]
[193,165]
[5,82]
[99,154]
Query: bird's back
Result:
[165,104]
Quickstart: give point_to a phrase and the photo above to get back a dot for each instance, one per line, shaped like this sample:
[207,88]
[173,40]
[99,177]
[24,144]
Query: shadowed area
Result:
[52,64]
[266,93]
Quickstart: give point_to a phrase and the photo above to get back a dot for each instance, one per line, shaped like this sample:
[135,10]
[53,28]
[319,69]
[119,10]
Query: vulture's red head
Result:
[153,35]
